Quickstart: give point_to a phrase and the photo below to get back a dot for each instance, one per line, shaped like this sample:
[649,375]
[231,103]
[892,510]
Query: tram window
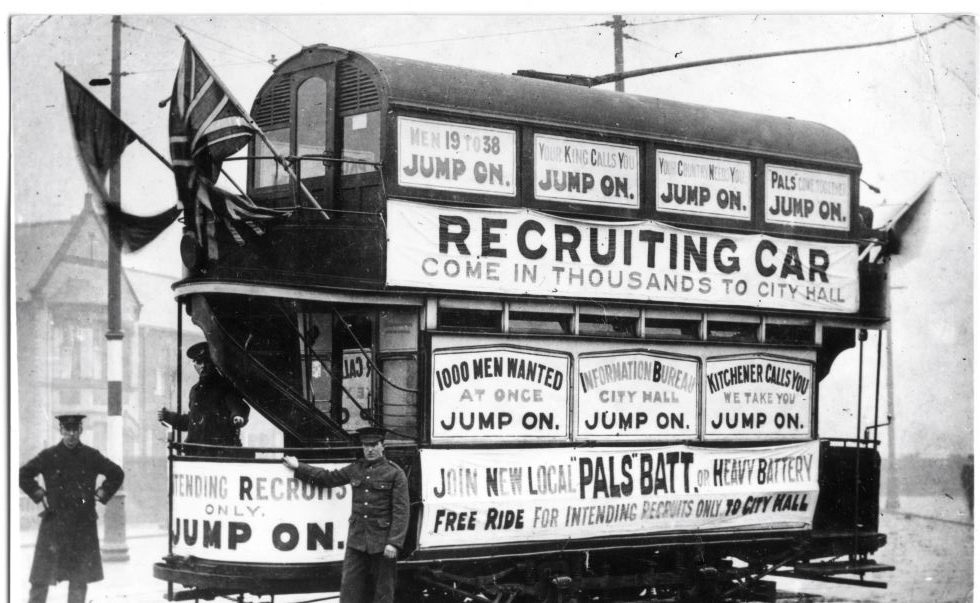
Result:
[311,126]
[668,328]
[540,322]
[362,141]
[468,320]
[608,326]
[317,352]
[400,410]
[267,171]
[733,331]
[784,333]
[399,330]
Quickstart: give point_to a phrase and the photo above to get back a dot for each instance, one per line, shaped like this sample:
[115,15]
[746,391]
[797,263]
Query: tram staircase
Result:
[252,358]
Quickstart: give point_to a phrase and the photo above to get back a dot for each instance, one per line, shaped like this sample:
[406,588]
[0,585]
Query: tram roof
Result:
[412,83]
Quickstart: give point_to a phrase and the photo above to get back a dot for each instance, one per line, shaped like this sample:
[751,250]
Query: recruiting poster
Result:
[753,397]
[800,197]
[456,157]
[497,393]
[519,251]
[624,394]
[256,513]
[570,169]
[522,495]
[698,185]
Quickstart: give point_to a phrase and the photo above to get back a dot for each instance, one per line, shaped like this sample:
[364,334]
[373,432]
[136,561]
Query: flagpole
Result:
[255,126]
[141,140]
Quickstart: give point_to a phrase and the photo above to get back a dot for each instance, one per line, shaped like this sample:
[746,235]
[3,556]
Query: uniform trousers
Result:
[367,578]
[76,592]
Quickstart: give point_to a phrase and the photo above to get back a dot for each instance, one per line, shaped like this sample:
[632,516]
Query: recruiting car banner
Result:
[519,251]
[498,496]
[256,513]
[498,393]
[757,397]
[570,169]
[623,394]
[699,185]
[800,197]
[455,157]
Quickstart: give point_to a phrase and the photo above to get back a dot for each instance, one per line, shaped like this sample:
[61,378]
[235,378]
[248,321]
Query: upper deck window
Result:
[267,171]
[311,125]
[362,141]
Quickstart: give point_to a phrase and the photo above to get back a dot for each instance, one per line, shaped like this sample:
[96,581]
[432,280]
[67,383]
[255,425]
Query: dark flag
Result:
[206,127]
[101,137]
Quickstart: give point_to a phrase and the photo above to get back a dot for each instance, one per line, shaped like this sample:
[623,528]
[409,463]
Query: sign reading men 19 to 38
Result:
[569,169]
[514,251]
[453,157]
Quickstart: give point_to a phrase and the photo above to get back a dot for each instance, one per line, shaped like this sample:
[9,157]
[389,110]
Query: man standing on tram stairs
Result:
[216,411]
[378,520]
[68,541]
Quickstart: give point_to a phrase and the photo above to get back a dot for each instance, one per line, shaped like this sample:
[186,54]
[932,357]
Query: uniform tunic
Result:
[379,501]
[214,402]
[68,541]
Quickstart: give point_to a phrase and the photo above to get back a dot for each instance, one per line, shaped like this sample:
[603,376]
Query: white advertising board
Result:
[636,393]
[752,397]
[497,393]
[519,251]
[699,185]
[807,198]
[490,497]
[256,513]
[570,169]
[455,157]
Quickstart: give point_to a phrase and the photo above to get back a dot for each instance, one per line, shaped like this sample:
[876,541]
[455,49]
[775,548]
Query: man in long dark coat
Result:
[378,520]
[216,410]
[68,541]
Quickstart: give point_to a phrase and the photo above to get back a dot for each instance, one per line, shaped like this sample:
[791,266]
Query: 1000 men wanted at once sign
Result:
[514,251]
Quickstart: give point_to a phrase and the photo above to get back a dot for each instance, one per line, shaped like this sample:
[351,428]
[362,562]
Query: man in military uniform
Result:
[216,409]
[378,521]
[68,542]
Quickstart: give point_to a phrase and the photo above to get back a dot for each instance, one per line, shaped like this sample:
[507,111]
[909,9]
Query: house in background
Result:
[60,277]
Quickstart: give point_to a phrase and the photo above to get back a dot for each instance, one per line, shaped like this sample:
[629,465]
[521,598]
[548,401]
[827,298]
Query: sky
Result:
[909,108]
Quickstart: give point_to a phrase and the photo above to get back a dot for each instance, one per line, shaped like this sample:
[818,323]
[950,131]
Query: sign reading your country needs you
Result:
[520,495]
[698,185]
[256,513]
[514,251]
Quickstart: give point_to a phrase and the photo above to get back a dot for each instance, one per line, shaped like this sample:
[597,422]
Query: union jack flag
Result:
[206,127]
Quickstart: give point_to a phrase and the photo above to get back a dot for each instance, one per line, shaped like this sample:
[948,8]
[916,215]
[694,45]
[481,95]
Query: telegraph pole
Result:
[617,25]
[114,546]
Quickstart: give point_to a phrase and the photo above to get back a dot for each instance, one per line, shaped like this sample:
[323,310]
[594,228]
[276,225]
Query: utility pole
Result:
[114,546]
[617,25]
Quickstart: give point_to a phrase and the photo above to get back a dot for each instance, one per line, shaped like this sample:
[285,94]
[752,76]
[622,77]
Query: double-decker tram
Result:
[593,324]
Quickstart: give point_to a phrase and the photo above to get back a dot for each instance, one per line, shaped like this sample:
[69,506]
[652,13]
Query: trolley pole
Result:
[114,546]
